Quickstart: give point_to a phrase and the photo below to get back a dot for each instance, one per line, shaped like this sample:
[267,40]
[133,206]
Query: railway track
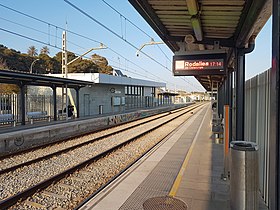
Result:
[66,177]
[12,162]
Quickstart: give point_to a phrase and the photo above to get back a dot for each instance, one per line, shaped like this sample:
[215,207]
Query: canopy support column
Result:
[240,99]
[54,103]
[78,101]
[22,102]
[274,119]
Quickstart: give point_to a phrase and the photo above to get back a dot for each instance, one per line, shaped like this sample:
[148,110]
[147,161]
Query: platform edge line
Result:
[178,179]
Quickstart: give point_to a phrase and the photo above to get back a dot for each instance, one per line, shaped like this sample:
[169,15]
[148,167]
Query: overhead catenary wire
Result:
[45,22]
[58,27]
[141,30]
[47,44]
[117,35]
[34,29]
[50,45]
[32,39]
[127,19]
[113,32]
[80,35]
[145,33]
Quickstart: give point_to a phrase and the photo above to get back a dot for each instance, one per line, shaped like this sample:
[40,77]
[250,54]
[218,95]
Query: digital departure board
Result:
[203,64]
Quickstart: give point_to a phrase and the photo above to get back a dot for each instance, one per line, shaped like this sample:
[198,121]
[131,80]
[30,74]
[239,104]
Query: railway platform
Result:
[187,166]
[22,137]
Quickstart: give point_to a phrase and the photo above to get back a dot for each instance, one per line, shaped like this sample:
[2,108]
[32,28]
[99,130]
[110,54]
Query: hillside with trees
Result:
[15,60]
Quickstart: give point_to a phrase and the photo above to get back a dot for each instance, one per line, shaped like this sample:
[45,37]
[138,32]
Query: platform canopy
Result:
[201,25]
[20,77]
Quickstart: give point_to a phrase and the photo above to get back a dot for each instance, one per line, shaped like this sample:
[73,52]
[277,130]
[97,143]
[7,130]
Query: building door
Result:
[86,105]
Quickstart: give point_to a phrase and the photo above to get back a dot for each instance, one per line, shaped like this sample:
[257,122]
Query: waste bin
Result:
[244,175]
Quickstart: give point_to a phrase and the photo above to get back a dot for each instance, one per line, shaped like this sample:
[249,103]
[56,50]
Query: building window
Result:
[153,91]
[134,90]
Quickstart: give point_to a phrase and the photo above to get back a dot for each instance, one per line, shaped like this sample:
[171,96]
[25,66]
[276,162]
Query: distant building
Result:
[200,96]
[113,94]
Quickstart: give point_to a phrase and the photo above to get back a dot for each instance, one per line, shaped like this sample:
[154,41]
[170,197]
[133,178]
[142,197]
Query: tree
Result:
[3,64]
[102,64]
[45,50]
[48,65]
[9,89]
[32,51]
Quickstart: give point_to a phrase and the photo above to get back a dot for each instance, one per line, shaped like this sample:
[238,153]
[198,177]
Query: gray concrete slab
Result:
[165,161]
[201,187]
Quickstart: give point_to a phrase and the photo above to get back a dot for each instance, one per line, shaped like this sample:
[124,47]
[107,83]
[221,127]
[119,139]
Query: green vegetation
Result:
[15,60]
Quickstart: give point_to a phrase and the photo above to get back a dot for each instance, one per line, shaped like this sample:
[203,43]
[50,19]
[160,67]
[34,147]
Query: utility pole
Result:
[65,72]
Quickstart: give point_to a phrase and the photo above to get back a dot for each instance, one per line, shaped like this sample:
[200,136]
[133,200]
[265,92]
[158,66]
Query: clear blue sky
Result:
[59,12]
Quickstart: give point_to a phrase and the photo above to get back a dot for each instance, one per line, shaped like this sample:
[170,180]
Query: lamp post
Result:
[102,46]
[152,42]
[32,64]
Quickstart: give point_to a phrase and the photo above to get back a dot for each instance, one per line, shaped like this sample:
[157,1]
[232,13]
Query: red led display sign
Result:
[206,64]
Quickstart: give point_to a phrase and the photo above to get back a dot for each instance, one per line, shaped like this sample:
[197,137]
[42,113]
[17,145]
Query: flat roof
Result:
[26,78]
[98,78]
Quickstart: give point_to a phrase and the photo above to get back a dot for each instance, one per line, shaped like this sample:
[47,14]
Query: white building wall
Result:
[91,98]
[147,91]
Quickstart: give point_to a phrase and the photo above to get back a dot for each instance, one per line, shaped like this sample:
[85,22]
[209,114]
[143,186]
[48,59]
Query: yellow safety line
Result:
[179,177]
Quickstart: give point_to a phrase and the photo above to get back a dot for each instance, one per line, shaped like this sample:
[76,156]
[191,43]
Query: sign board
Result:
[116,101]
[199,64]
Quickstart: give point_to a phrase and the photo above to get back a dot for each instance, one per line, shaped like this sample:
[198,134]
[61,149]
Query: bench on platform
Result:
[7,118]
[218,133]
[37,116]
[61,114]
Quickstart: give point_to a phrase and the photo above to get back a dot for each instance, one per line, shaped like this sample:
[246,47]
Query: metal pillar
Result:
[274,124]
[230,93]
[240,84]
[54,103]
[221,102]
[22,103]
[78,101]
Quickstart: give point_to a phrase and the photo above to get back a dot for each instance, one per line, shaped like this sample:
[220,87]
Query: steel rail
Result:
[8,202]
[84,134]
[123,170]
[48,156]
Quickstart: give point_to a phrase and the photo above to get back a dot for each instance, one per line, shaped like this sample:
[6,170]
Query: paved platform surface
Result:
[201,186]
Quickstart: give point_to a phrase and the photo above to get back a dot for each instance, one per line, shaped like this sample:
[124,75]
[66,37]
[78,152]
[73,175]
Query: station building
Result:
[111,94]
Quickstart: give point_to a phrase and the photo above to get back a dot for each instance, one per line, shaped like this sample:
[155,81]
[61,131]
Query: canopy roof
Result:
[19,77]
[198,25]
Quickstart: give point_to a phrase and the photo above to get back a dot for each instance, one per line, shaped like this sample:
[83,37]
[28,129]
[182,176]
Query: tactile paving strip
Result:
[161,179]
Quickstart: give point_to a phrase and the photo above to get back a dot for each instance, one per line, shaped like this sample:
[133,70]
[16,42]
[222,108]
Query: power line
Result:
[127,19]
[114,33]
[45,22]
[32,39]
[160,79]
[34,29]
[45,43]
[144,32]
[134,63]
[74,33]
[35,40]
[117,35]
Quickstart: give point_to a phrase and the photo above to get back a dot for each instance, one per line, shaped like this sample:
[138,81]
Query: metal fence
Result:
[257,93]
[10,104]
